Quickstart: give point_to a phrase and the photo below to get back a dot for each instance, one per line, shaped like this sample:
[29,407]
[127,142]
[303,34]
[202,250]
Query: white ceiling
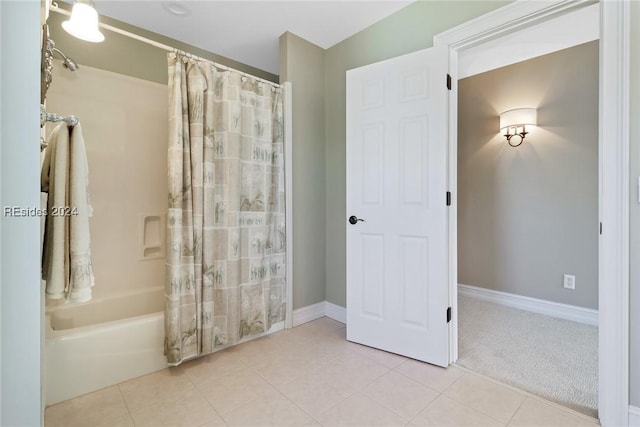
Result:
[248,31]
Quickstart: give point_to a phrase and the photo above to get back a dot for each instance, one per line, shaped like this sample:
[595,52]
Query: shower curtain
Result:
[226,217]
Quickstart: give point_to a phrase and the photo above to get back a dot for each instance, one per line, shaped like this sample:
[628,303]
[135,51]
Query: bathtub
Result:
[103,342]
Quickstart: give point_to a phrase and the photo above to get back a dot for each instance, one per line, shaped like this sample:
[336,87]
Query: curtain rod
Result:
[163,46]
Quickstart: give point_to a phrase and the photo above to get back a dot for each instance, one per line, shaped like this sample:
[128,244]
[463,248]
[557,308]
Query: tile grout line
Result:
[126,405]
[393,410]
[423,409]
[208,402]
[516,411]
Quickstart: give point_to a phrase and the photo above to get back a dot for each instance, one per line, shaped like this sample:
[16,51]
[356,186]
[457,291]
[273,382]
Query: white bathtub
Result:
[103,342]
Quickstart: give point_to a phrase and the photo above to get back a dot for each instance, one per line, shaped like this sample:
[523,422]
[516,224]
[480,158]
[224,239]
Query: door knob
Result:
[354,219]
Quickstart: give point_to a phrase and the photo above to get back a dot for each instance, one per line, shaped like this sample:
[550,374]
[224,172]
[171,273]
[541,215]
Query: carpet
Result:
[553,358]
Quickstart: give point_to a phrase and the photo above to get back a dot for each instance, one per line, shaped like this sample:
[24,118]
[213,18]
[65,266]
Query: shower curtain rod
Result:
[165,47]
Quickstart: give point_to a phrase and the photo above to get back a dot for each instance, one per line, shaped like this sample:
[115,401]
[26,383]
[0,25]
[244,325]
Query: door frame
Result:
[613,142]
[287,88]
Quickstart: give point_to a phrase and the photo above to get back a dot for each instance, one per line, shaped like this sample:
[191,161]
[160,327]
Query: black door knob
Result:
[354,219]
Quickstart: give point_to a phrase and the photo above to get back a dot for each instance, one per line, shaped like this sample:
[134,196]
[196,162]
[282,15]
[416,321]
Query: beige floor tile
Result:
[288,340]
[356,370]
[213,366]
[322,325]
[217,423]
[432,376]
[156,388]
[446,412]
[119,421]
[338,333]
[282,371]
[267,411]
[313,371]
[490,398]
[384,358]
[401,394]
[315,392]
[360,410]
[336,345]
[193,411]
[536,413]
[235,390]
[315,354]
[255,351]
[294,362]
[88,410]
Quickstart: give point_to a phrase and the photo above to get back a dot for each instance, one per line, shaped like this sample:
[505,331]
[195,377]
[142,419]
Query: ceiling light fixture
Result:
[83,22]
[514,124]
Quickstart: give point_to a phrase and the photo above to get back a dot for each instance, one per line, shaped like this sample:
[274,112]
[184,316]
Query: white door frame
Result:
[613,405]
[288,198]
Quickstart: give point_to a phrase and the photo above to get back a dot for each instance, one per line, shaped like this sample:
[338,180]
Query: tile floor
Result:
[310,376]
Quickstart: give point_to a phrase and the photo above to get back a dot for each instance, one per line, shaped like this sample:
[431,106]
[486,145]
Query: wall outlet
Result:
[569,281]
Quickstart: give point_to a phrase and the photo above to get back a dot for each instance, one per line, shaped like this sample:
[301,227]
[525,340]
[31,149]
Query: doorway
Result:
[528,216]
[613,181]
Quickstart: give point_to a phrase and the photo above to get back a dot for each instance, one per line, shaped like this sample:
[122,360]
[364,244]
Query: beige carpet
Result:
[553,358]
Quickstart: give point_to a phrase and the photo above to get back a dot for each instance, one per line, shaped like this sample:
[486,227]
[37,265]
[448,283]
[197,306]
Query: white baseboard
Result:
[315,311]
[634,416]
[554,309]
[336,312]
[307,314]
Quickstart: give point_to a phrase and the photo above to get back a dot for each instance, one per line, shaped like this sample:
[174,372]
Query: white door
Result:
[397,272]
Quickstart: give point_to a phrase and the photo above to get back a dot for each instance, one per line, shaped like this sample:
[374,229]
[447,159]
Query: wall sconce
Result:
[83,22]
[514,122]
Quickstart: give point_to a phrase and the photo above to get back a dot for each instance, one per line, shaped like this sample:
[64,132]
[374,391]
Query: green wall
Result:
[408,30]
[302,64]
[124,55]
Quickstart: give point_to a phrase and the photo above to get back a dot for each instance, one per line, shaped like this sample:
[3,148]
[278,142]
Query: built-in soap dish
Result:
[152,231]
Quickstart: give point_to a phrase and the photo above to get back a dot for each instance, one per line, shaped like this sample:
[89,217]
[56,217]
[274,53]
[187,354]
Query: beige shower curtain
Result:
[226,220]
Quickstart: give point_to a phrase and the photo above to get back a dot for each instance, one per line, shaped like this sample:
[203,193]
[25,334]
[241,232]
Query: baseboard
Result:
[315,311]
[336,312]
[535,305]
[634,416]
[307,314]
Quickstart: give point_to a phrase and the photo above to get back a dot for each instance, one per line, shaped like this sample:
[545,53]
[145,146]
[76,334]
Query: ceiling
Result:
[248,31]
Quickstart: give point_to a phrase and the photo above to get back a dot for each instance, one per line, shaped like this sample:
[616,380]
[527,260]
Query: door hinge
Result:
[448,314]
[448,198]
[449,81]
[600,228]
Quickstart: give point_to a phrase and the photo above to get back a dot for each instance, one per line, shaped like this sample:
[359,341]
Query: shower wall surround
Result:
[124,121]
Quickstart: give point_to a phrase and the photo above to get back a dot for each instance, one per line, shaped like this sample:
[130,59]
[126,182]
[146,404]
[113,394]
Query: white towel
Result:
[66,258]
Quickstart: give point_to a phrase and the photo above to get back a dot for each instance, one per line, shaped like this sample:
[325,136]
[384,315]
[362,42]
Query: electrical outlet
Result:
[569,281]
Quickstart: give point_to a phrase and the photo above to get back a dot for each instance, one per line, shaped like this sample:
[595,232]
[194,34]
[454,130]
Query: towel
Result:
[66,255]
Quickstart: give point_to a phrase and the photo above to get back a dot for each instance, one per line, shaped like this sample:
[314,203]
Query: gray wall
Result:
[20,298]
[634,205]
[528,215]
[302,64]
[408,30]
[124,55]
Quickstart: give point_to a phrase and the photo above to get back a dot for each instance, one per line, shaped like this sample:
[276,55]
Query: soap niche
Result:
[152,241]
